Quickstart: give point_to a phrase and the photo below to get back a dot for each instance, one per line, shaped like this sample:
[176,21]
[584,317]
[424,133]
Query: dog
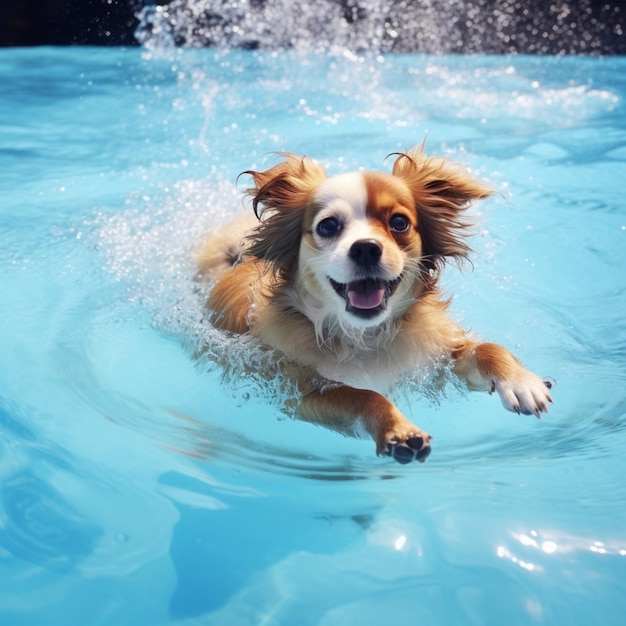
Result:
[340,274]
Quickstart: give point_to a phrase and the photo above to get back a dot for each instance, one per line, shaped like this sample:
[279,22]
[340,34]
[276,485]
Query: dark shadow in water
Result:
[217,548]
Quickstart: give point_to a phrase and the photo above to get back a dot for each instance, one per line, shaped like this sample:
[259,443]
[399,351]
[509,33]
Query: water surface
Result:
[141,486]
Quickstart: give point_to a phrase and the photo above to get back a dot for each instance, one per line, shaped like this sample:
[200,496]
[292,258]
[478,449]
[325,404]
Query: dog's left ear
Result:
[441,192]
[280,198]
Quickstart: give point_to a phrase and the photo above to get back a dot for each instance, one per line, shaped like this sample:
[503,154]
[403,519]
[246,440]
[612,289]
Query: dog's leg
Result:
[492,367]
[352,411]
[232,297]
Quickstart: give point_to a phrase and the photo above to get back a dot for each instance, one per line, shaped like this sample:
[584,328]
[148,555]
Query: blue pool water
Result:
[140,485]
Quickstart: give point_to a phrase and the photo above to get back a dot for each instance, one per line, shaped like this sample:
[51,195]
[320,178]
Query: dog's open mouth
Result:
[366,298]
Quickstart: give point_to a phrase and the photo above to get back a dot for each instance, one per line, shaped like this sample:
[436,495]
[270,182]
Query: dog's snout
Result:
[366,252]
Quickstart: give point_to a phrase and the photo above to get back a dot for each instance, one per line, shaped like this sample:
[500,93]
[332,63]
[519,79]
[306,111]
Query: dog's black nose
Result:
[366,252]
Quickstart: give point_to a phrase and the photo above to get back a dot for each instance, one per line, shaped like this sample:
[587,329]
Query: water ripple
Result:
[40,525]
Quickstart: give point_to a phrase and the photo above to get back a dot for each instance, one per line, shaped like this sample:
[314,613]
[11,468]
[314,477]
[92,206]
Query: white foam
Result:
[151,247]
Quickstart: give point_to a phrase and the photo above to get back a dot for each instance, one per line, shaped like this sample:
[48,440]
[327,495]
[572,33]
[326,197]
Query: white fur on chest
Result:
[365,359]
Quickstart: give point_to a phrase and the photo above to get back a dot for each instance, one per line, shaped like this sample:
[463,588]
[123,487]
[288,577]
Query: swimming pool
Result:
[141,486]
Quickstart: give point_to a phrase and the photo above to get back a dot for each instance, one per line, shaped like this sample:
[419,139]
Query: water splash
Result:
[455,26]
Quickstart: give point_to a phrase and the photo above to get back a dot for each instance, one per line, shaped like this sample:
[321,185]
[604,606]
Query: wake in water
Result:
[151,249]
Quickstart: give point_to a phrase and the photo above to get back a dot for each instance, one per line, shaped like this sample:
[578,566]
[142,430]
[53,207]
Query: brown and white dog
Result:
[340,276]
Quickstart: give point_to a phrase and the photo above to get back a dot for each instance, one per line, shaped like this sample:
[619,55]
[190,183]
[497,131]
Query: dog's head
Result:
[361,247]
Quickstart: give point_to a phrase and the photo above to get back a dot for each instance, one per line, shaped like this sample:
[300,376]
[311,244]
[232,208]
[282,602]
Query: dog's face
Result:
[360,247]
[360,255]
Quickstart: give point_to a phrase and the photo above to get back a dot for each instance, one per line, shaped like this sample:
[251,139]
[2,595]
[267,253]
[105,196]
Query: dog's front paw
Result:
[524,393]
[414,446]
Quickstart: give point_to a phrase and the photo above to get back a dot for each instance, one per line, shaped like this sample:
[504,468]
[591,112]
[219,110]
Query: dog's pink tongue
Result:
[366,294]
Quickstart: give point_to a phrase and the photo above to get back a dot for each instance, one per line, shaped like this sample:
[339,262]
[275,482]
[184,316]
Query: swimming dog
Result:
[340,276]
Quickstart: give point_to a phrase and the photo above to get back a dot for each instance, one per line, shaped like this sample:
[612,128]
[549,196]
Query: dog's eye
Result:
[399,223]
[329,227]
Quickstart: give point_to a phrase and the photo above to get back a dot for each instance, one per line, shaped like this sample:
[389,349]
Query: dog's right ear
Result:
[280,198]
